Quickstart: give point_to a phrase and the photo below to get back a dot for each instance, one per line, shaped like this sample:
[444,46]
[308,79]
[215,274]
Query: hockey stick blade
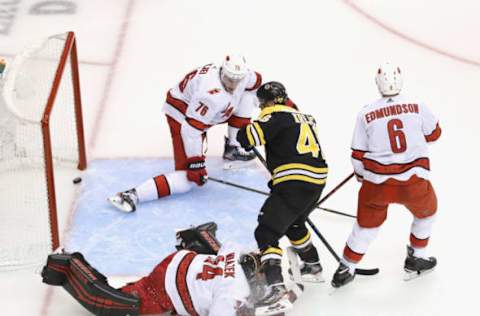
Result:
[373,271]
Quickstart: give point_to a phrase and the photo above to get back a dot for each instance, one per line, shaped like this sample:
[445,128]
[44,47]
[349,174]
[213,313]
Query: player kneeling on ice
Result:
[299,173]
[201,278]
[390,158]
[207,96]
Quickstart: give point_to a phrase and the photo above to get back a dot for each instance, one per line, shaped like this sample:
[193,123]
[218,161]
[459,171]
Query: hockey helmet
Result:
[234,67]
[272,91]
[389,79]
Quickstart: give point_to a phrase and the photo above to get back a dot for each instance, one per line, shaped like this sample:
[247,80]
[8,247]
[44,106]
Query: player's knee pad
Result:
[178,182]
[88,286]
[298,235]
[266,237]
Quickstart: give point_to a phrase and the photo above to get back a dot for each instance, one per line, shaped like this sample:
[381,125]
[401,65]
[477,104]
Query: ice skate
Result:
[312,272]
[275,301]
[236,157]
[304,272]
[416,266]
[342,276]
[125,201]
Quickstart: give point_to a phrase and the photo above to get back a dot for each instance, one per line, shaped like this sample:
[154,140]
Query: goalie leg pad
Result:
[54,273]
[88,286]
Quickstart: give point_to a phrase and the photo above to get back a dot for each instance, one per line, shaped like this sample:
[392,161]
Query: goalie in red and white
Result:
[390,158]
[201,278]
[207,96]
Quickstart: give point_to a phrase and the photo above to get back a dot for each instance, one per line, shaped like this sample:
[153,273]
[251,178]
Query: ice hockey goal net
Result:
[41,133]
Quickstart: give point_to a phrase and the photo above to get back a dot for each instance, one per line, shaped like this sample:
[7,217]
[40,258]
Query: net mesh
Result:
[25,228]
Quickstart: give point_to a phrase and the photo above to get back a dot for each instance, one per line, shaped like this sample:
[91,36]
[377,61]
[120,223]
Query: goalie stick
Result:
[358,271]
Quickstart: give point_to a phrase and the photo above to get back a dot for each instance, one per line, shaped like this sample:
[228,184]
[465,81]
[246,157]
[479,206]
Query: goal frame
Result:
[69,51]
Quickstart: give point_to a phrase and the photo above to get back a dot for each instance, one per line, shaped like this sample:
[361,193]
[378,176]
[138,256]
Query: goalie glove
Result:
[196,171]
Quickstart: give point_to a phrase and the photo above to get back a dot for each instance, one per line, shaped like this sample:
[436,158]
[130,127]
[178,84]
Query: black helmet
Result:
[272,91]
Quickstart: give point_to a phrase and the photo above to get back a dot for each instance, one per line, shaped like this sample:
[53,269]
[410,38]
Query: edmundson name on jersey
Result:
[391,110]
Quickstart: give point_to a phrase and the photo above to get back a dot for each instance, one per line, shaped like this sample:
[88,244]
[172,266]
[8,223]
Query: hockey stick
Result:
[265,193]
[315,229]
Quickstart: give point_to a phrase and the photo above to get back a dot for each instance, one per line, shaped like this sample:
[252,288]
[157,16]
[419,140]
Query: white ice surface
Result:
[326,54]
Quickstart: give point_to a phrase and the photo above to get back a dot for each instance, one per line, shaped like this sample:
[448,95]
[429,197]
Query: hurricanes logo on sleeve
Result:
[228,111]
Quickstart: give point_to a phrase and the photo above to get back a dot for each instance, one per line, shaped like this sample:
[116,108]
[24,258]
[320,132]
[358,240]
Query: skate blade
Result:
[411,275]
[237,164]
[119,206]
[317,278]
[278,308]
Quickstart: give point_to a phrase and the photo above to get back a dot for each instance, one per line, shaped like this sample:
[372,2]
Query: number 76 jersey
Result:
[391,139]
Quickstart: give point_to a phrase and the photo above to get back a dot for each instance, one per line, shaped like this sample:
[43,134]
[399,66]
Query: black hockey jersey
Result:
[291,144]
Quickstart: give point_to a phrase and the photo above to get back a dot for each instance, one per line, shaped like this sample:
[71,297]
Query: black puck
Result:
[77,180]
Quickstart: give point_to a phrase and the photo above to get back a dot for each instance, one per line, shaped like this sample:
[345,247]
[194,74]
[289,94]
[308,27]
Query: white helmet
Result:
[389,79]
[234,67]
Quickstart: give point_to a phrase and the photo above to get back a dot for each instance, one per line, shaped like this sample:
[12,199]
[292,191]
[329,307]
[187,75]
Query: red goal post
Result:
[41,134]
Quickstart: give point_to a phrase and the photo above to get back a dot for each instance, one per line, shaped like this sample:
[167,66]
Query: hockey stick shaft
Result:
[265,193]
[315,229]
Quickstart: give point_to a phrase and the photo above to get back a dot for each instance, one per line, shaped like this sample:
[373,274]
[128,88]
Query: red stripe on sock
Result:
[351,255]
[163,189]
[418,243]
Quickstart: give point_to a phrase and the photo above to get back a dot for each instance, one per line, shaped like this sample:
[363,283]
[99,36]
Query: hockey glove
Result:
[196,171]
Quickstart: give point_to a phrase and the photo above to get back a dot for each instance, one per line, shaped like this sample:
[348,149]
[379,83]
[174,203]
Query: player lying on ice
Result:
[207,96]
[201,278]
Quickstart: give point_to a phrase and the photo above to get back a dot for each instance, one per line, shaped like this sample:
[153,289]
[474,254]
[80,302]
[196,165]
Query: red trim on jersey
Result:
[435,134]
[257,83]
[197,124]
[179,154]
[358,154]
[238,122]
[177,103]
[418,243]
[182,286]
[351,255]
[397,168]
[163,188]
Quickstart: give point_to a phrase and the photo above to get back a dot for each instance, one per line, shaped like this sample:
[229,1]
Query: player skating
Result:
[207,96]
[390,158]
[299,173]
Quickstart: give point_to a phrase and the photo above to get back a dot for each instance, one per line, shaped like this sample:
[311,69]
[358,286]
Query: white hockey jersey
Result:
[206,285]
[199,101]
[390,139]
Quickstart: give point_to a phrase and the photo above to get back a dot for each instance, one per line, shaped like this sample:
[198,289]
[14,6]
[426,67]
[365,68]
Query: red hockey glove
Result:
[196,171]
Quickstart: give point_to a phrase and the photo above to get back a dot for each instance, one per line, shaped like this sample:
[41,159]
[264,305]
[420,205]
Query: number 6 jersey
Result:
[390,139]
